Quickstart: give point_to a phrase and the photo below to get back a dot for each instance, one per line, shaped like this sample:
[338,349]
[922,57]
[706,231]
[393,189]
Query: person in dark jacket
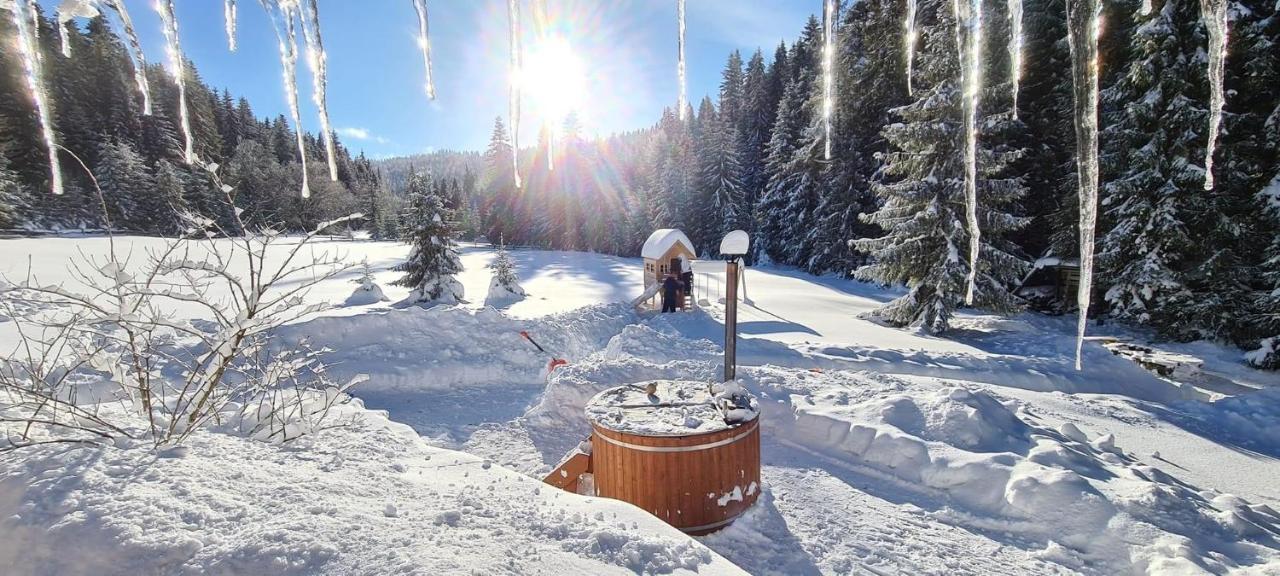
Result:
[670,288]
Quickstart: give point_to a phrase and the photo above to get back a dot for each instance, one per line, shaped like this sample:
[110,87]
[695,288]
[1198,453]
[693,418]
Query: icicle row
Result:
[177,67]
[680,68]
[1015,49]
[910,39]
[317,61]
[1084,21]
[424,42]
[969,49]
[1214,15]
[24,14]
[139,58]
[513,103]
[828,71]
[229,14]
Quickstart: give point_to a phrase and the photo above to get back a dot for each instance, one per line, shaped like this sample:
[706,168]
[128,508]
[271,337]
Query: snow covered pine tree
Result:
[433,259]
[923,210]
[505,285]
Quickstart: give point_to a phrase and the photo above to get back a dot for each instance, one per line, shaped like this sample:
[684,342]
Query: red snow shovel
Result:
[554,363]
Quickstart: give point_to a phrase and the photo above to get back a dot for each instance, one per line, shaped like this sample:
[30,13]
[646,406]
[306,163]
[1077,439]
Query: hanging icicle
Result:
[540,32]
[513,103]
[24,13]
[909,39]
[1015,49]
[828,71]
[68,11]
[1214,15]
[683,102]
[229,15]
[177,68]
[317,61]
[969,50]
[139,58]
[424,42]
[1084,21]
[287,38]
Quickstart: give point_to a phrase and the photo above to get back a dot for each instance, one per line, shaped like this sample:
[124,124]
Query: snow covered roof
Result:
[662,240]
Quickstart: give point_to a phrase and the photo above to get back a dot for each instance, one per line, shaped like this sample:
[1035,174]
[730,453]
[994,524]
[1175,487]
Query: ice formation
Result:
[1214,15]
[1015,49]
[288,41]
[424,42]
[229,14]
[1084,22]
[969,49]
[24,18]
[513,103]
[828,71]
[317,61]
[910,40]
[69,10]
[139,58]
[684,97]
[177,67]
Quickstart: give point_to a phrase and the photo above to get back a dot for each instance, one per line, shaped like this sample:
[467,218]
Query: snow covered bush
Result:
[433,260]
[505,285]
[112,336]
[368,291]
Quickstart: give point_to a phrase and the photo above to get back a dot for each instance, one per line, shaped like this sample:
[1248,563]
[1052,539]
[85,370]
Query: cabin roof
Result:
[663,240]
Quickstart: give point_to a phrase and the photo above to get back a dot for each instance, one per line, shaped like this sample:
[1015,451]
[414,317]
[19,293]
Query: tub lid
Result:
[675,408]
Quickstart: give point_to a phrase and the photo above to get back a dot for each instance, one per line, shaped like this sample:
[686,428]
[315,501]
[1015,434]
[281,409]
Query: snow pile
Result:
[367,498]
[1089,504]
[365,295]
[1251,420]
[669,408]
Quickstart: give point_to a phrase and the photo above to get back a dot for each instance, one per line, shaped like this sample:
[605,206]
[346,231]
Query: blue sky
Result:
[627,50]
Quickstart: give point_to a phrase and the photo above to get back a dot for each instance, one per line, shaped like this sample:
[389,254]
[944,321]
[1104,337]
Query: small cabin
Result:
[662,253]
[1052,284]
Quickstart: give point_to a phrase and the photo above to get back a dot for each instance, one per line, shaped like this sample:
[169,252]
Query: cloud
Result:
[364,134]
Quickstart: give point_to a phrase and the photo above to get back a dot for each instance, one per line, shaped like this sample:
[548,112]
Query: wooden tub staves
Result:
[686,454]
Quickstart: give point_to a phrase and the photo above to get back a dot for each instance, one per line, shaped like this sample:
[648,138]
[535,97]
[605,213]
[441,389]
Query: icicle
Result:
[1084,22]
[828,71]
[684,97]
[1015,49]
[229,14]
[68,11]
[513,104]
[288,41]
[177,67]
[317,61]
[1214,15]
[424,42]
[24,13]
[969,49]
[539,23]
[139,59]
[910,40]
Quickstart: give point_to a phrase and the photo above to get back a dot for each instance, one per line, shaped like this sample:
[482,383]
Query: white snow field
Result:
[885,451]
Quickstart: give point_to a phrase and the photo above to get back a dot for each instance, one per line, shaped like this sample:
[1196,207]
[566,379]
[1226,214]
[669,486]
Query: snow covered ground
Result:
[885,450]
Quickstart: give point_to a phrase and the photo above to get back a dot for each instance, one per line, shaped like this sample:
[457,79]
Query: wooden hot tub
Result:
[679,453]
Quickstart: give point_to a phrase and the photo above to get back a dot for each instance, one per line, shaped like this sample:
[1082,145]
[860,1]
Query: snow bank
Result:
[367,498]
[365,295]
[1089,503]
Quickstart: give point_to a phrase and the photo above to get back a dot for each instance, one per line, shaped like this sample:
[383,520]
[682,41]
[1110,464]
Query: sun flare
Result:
[554,80]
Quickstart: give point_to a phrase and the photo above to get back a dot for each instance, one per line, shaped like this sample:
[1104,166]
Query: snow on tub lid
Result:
[677,408]
[662,240]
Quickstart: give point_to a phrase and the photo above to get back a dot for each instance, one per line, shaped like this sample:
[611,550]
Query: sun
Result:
[554,80]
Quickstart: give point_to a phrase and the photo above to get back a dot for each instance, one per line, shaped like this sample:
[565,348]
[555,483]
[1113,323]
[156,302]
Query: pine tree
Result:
[505,284]
[498,182]
[719,179]
[126,185]
[923,211]
[1153,150]
[166,205]
[433,257]
[12,201]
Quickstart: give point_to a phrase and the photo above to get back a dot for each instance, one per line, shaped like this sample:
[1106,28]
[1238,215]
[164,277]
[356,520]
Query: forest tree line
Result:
[887,206]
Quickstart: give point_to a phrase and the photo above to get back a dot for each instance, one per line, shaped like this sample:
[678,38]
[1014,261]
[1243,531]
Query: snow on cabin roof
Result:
[662,240]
